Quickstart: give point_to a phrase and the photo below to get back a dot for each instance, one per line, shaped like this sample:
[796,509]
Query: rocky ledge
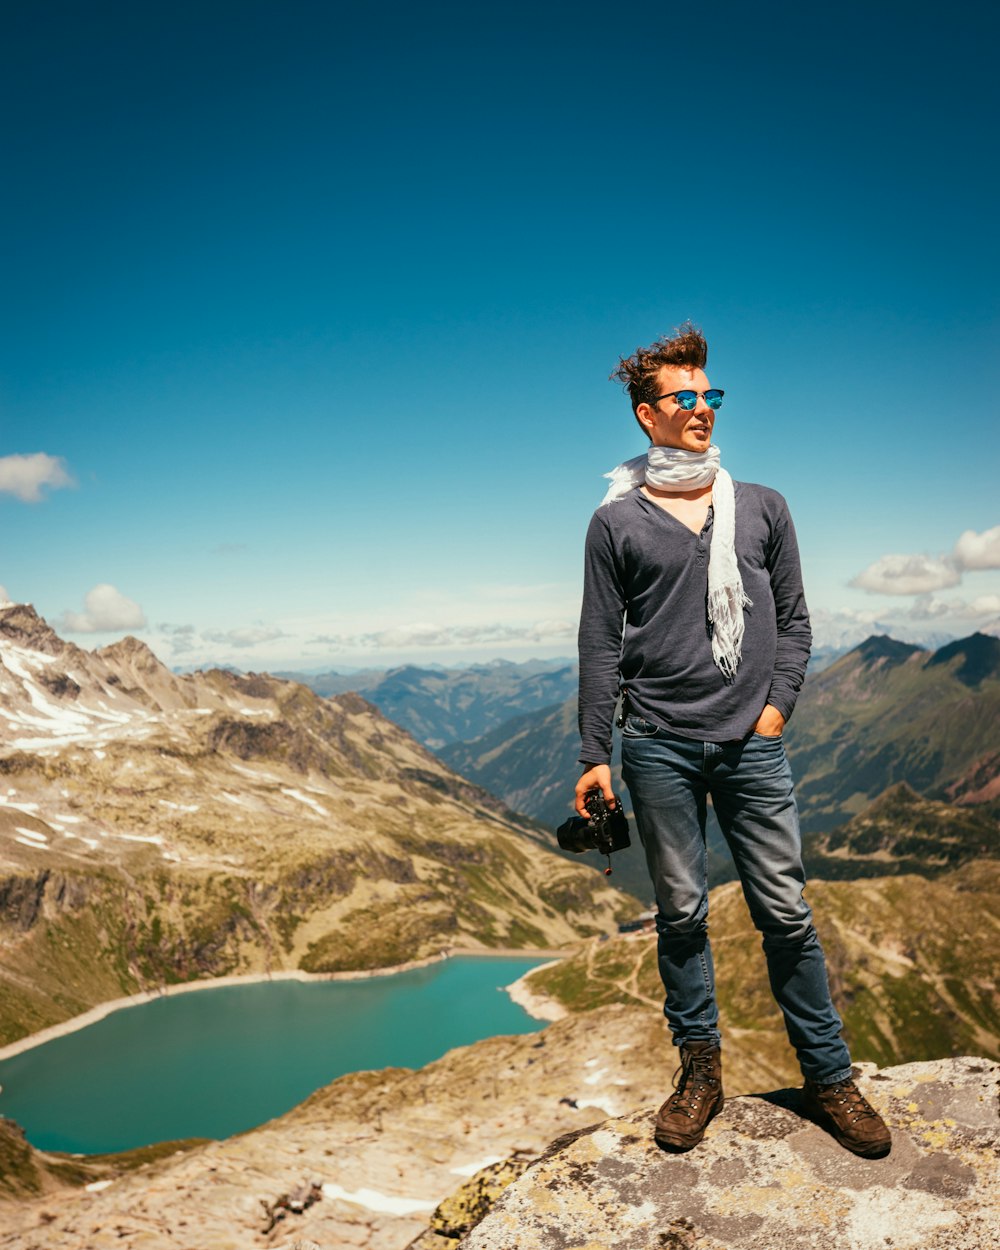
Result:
[764,1177]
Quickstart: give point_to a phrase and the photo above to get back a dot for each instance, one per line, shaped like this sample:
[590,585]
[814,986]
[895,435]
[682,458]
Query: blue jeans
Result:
[669,779]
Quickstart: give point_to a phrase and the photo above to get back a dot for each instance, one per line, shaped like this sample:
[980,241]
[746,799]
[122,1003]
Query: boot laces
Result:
[857,1105]
[691,1081]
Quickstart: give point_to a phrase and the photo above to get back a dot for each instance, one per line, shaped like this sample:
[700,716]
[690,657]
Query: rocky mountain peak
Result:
[978,657]
[895,798]
[21,624]
[133,651]
[881,649]
[902,831]
[54,692]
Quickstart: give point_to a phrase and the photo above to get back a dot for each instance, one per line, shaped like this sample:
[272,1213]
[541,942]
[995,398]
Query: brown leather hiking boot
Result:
[697,1096]
[851,1118]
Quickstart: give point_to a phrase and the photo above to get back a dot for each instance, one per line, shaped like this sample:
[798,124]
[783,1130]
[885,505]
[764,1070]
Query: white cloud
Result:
[845,627]
[929,621]
[5,598]
[908,575]
[180,638]
[249,636]
[925,574]
[984,605]
[183,640]
[105,609]
[978,551]
[25,476]
[401,637]
[929,608]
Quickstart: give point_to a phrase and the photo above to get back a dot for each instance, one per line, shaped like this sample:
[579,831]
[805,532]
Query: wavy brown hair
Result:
[686,347]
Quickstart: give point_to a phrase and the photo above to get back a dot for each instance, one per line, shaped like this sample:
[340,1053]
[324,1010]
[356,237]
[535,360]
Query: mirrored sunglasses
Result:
[688,399]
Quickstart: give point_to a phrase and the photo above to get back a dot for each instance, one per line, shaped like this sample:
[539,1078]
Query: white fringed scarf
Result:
[672,468]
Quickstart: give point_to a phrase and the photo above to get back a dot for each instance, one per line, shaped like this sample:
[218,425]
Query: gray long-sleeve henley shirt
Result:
[645,566]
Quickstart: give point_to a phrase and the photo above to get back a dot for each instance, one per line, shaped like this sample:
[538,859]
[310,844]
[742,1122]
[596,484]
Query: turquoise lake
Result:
[215,1062]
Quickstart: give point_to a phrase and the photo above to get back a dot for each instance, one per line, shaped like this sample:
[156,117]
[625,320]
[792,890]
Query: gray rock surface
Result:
[766,1179]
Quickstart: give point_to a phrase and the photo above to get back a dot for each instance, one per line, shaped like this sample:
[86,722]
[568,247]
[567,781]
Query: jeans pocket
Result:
[638,727]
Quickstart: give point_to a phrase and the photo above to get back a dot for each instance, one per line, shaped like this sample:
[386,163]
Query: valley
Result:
[157,828]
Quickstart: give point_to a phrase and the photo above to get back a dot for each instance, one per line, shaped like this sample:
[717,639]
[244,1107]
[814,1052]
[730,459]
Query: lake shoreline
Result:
[540,1006]
[99,1012]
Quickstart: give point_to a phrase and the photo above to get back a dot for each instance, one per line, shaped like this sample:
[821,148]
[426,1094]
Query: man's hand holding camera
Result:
[596,778]
[601,826]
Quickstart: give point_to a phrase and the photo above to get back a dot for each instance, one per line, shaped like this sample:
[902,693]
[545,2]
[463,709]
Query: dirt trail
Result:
[628,985]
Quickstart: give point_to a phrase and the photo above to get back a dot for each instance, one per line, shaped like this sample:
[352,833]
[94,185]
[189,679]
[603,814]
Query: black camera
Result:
[606,830]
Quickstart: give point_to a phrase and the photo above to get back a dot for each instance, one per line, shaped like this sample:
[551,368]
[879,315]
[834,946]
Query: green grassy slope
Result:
[902,832]
[912,967]
[886,713]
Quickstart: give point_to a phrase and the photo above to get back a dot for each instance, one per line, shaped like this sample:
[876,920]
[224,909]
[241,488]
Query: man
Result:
[705,574]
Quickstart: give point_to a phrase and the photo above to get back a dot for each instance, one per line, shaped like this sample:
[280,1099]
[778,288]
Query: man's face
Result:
[667,423]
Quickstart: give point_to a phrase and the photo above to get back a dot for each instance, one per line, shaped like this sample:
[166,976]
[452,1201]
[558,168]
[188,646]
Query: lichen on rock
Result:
[461,1211]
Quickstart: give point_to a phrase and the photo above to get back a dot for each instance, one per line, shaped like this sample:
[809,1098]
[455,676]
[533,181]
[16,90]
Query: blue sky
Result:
[309,310]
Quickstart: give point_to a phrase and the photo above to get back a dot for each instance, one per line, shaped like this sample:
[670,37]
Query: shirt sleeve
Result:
[600,641]
[792,614]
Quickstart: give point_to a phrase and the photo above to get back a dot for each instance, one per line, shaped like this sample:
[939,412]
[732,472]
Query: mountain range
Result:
[886,712]
[443,705]
[157,828]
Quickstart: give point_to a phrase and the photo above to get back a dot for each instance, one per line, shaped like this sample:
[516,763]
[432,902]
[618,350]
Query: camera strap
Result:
[624,710]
